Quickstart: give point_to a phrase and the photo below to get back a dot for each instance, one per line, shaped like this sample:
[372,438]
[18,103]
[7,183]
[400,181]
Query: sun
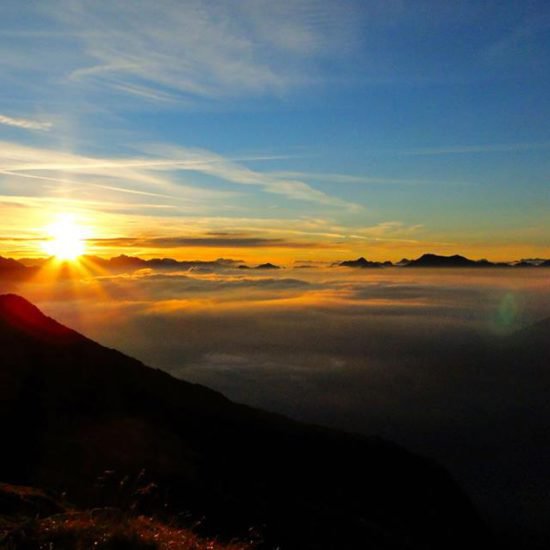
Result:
[66,238]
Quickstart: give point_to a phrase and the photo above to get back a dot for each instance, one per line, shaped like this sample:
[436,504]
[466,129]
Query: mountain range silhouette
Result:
[363,263]
[20,270]
[76,409]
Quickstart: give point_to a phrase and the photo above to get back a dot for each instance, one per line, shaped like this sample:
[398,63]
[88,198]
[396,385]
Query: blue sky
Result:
[339,128]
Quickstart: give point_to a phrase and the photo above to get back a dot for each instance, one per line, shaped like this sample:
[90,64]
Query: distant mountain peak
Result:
[10,263]
[403,262]
[363,262]
[456,260]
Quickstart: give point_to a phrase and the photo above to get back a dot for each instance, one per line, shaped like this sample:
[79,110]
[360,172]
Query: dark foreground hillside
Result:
[80,418]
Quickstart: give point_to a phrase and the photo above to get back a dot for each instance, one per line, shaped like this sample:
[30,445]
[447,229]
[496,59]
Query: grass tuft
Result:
[106,529]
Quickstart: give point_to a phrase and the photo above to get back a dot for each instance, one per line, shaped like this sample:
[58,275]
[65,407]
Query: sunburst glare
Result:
[66,238]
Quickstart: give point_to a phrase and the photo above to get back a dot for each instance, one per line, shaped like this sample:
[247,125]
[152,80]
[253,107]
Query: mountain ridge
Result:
[19,270]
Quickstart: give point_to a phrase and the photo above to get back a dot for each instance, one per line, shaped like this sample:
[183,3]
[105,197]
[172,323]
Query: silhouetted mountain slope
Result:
[8,264]
[27,267]
[12,270]
[362,262]
[261,266]
[267,266]
[433,260]
[132,263]
[76,409]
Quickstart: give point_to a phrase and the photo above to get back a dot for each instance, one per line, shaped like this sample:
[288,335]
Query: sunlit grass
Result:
[110,529]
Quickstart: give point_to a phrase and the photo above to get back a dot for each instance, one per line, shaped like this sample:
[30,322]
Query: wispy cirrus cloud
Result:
[487,148]
[212,164]
[389,231]
[358,179]
[191,48]
[66,172]
[157,171]
[26,123]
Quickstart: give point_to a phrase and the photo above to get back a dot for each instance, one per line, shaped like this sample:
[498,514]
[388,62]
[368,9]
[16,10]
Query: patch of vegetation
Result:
[32,520]
[108,530]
